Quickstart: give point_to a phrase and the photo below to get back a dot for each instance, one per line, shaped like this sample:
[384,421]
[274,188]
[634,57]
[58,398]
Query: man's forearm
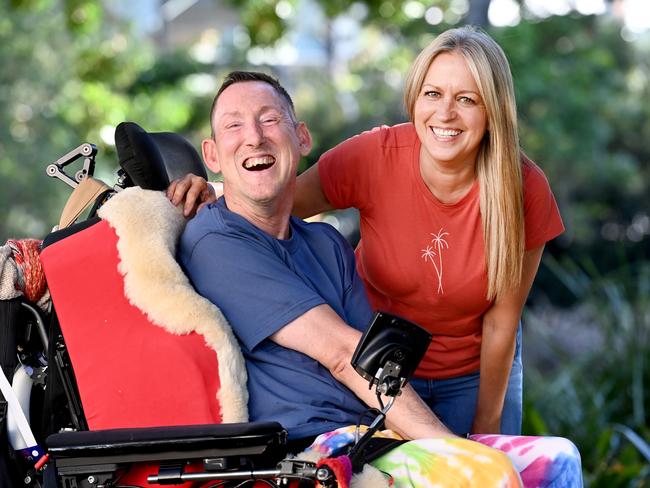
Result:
[409,416]
[412,419]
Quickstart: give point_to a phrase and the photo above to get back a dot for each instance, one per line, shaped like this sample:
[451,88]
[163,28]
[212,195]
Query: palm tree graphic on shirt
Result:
[434,254]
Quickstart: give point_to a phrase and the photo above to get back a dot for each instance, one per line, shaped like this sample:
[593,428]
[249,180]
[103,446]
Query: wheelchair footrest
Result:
[261,442]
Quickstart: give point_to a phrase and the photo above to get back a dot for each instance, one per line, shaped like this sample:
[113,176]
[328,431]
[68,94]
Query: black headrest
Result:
[153,159]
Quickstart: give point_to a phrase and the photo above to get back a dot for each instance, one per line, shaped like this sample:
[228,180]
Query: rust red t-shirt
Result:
[419,258]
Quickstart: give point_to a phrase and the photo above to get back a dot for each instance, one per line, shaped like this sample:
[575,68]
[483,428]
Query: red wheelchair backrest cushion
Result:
[129,372]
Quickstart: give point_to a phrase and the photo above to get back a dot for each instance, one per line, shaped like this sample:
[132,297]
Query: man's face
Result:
[256,146]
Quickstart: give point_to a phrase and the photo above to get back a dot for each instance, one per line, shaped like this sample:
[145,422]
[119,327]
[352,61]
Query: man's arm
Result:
[322,335]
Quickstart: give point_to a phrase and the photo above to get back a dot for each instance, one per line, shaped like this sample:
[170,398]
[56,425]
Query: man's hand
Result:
[194,190]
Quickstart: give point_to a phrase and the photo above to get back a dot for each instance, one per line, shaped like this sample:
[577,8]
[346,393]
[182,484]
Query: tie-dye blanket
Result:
[532,462]
[542,462]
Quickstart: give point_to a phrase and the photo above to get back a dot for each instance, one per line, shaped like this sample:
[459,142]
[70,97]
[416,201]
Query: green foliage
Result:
[590,383]
[265,26]
[71,80]
[83,17]
[33,85]
[260,19]
[572,99]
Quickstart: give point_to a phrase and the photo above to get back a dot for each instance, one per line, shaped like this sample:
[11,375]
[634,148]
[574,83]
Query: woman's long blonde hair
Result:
[498,164]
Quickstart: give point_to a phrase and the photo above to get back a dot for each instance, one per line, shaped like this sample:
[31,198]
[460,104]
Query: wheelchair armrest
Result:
[263,440]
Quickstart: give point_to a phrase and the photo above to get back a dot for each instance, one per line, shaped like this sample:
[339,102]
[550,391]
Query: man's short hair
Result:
[242,76]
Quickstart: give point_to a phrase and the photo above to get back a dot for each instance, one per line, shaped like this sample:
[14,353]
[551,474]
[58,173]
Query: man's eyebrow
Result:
[262,109]
[232,113]
[276,108]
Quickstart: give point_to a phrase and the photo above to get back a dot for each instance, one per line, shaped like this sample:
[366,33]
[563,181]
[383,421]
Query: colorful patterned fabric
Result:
[542,462]
[537,462]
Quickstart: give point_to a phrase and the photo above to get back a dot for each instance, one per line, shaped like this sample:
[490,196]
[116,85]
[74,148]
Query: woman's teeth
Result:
[445,132]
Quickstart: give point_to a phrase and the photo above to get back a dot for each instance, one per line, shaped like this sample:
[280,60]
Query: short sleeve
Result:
[345,170]
[542,216]
[356,307]
[254,288]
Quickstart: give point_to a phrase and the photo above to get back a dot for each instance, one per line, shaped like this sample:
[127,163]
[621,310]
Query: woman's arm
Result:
[193,192]
[310,198]
[498,347]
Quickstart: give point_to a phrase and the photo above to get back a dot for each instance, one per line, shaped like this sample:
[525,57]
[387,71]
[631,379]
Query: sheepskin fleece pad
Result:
[148,227]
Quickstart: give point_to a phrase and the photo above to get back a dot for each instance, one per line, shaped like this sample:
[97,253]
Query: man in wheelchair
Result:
[295,303]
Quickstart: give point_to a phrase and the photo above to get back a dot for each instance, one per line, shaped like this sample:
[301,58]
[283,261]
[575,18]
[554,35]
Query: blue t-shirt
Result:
[261,283]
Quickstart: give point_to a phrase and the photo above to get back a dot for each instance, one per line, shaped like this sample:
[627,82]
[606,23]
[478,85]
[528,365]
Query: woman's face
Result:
[449,115]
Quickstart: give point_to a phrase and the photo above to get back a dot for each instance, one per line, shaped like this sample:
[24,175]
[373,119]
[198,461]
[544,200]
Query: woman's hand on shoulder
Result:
[194,192]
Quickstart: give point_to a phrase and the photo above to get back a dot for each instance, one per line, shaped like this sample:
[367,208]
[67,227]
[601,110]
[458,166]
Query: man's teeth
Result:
[255,162]
[445,132]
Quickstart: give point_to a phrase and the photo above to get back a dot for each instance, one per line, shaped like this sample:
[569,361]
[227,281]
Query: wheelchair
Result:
[131,379]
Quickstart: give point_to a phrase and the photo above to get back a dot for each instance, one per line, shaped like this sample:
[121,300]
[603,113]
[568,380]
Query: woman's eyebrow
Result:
[462,90]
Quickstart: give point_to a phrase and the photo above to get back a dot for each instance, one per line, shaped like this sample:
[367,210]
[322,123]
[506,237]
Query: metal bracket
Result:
[287,469]
[87,151]
[389,382]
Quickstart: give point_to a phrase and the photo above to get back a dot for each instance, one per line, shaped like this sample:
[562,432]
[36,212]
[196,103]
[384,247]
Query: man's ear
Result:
[304,138]
[209,149]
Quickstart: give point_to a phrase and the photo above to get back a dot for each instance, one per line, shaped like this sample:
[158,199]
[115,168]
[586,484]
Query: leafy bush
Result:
[587,377]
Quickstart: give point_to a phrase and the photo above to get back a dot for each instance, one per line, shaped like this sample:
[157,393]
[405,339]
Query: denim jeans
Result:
[454,400]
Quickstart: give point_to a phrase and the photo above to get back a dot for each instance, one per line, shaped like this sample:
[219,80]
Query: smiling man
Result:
[290,289]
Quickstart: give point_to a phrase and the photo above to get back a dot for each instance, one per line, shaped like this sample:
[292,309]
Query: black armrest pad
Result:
[223,437]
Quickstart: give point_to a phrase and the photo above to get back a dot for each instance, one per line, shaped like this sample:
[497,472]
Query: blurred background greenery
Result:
[73,69]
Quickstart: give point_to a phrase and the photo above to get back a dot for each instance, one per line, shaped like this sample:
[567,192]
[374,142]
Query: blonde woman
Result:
[453,222]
